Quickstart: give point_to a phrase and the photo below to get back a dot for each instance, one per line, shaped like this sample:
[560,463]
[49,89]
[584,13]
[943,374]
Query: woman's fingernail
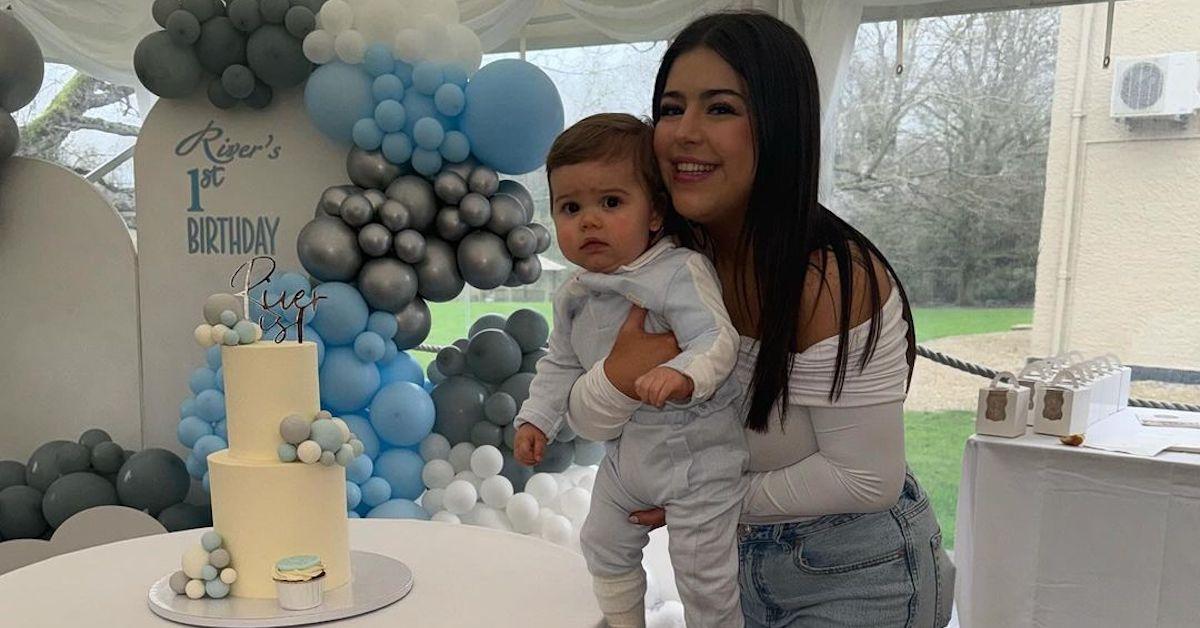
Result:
[633,520]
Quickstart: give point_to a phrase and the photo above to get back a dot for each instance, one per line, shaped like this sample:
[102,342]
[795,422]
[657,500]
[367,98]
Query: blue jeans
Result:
[874,569]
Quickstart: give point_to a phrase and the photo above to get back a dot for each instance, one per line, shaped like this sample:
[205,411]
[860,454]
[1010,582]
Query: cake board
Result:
[375,582]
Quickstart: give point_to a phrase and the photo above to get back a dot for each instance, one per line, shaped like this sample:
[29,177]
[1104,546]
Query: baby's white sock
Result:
[622,598]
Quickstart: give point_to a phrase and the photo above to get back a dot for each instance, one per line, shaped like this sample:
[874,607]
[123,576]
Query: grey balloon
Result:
[528,270]
[458,406]
[75,492]
[273,11]
[12,473]
[417,195]
[510,435]
[475,209]
[556,457]
[73,458]
[438,276]
[450,187]
[517,386]
[376,198]
[461,343]
[107,457]
[220,45]
[521,241]
[219,96]
[276,57]
[409,246]
[507,214]
[300,21]
[414,324]
[21,513]
[543,236]
[94,436]
[487,321]
[512,281]
[151,480]
[483,260]
[244,15]
[374,239]
[369,169]
[238,81]
[516,190]
[387,284]
[493,356]
[328,250]
[530,360]
[10,136]
[451,361]
[394,215]
[500,408]
[183,27]
[462,168]
[185,517]
[433,374]
[21,64]
[450,226]
[161,10]
[588,452]
[217,303]
[565,434]
[528,328]
[42,469]
[260,97]
[332,197]
[356,210]
[483,180]
[484,433]
[167,69]
[516,472]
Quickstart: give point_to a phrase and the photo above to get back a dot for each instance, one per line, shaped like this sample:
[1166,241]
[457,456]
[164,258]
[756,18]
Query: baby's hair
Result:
[612,137]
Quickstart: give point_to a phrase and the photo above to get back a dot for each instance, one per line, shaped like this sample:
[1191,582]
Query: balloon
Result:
[260,97]
[93,437]
[398,509]
[459,406]
[350,46]
[493,356]
[73,458]
[413,322]
[426,161]
[166,68]
[529,362]
[516,190]
[328,250]
[151,480]
[483,259]
[10,135]
[336,16]
[467,49]
[220,45]
[183,27]
[512,115]
[161,10]
[244,15]
[370,169]
[277,57]
[543,236]
[517,386]
[341,315]
[450,225]
[521,242]
[402,413]
[364,432]
[516,473]
[185,516]
[21,513]
[437,275]
[528,328]
[75,492]
[402,368]
[387,284]
[588,452]
[417,195]
[300,21]
[475,209]
[375,491]
[428,133]
[483,180]
[336,96]
[527,270]
[487,321]
[347,383]
[507,214]
[451,361]
[42,469]
[21,65]
[402,470]
[449,99]
[375,240]
[500,408]
[484,433]
[318,47]
[12,473]
[409,246]
[556,457]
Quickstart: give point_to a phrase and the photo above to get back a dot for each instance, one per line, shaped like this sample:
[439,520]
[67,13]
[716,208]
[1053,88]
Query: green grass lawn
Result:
[933,446]
[939,322]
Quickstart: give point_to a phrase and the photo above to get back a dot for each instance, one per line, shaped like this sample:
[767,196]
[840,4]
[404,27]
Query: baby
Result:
[684,448]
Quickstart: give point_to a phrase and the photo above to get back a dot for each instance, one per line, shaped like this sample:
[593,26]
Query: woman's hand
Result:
[636,352]
[655,518]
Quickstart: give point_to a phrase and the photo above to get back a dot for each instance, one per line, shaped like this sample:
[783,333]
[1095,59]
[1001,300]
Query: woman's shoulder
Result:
[821,304]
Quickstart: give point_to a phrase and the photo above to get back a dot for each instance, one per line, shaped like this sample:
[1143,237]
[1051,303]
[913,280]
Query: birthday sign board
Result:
[216,188]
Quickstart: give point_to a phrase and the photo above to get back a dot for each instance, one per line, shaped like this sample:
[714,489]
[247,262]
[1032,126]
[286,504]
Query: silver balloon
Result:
[528,270]
[506,214]
[332,197]
[374,239]
[513,281]
[167,69]
[483,180]
[518,191]
[438,276]
[450,187]
[415,193]
[370,169]
[475,209]
[10,135]
[414,324]
[328,250]
[450,225]
[21,64]
[394,215]
[356,210]
[462,168]
[543,237]
[376,197]
[483,260]
[387,284]
[410,246]
[521,241]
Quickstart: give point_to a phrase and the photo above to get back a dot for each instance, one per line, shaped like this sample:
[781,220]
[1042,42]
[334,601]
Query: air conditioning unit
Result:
[1165,85]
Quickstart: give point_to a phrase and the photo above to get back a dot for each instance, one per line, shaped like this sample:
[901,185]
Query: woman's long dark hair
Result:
[784,223]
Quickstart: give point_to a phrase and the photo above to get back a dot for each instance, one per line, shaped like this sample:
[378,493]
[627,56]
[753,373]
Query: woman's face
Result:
[703,140]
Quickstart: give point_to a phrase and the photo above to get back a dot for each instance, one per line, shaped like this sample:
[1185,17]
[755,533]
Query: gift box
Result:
[1003,407]
[1064,406]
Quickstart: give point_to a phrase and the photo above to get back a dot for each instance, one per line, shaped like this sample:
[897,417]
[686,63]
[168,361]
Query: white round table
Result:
[464,576]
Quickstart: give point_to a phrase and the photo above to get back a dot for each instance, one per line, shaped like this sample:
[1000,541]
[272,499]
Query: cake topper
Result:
[284,301]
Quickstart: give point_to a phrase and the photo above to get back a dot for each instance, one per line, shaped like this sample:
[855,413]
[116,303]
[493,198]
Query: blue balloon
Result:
[201,380]
[378,60]
[336,96]
[207,445]
[427,162]
[282,287]
[210,405]
[204,482]
[194,467]
[341,315]
[353,495]
[397,148]
[367,134]
[402,369]
[387,87]
[347,383]
[375,491]
[427,77]
[353,515]
[404,71]
[402,470]
[212,356]
[402,414]
[399,509]
[417,106]
[428,133]
[449,99]
[455,74]
[221,429]
[311,335]
[455,147]
[369,347]
[363,431]
[187,407]
[360,469]
[390,115]
[383,323]
[191,429]
[219,379]
[390,351]
[513,114]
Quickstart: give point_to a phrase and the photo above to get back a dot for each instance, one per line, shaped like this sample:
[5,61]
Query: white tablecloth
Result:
[1058,536]
[465,576]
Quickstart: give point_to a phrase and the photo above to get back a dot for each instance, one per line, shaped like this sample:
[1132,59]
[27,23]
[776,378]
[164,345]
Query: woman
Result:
[834,530]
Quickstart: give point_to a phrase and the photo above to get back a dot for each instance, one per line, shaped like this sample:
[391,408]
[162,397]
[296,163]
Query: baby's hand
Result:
[662,384]
[529,444]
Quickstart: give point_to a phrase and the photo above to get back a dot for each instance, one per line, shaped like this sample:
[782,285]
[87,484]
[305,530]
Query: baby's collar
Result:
[651,254]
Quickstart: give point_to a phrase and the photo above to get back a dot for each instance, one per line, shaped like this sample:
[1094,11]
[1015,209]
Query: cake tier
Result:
[271,510]
[265,382]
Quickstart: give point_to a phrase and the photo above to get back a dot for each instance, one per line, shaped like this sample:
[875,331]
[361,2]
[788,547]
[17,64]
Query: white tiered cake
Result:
[263,508]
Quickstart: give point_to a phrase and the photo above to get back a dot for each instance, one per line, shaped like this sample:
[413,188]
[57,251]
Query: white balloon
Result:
[204,335]
[377,19]
[575,504]
[523,510]
[318,47]
[488,517]
[563,481]
[437,473]
[460,456]
[469,476]
[487,461]
[557,529]
[543,487]
[407,45]
[335,16]
[496,491]
[350,46]
[435,44]
[344,429]
[444,10]
[445,516]
[435,447]
[433,500]
[545,513]
[460,497]
[466,49]
[218,333]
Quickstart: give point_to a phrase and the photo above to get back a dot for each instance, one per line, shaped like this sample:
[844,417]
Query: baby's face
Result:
[603,216]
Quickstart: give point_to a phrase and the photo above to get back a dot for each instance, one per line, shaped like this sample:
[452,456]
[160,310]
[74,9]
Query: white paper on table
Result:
[1123,432]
